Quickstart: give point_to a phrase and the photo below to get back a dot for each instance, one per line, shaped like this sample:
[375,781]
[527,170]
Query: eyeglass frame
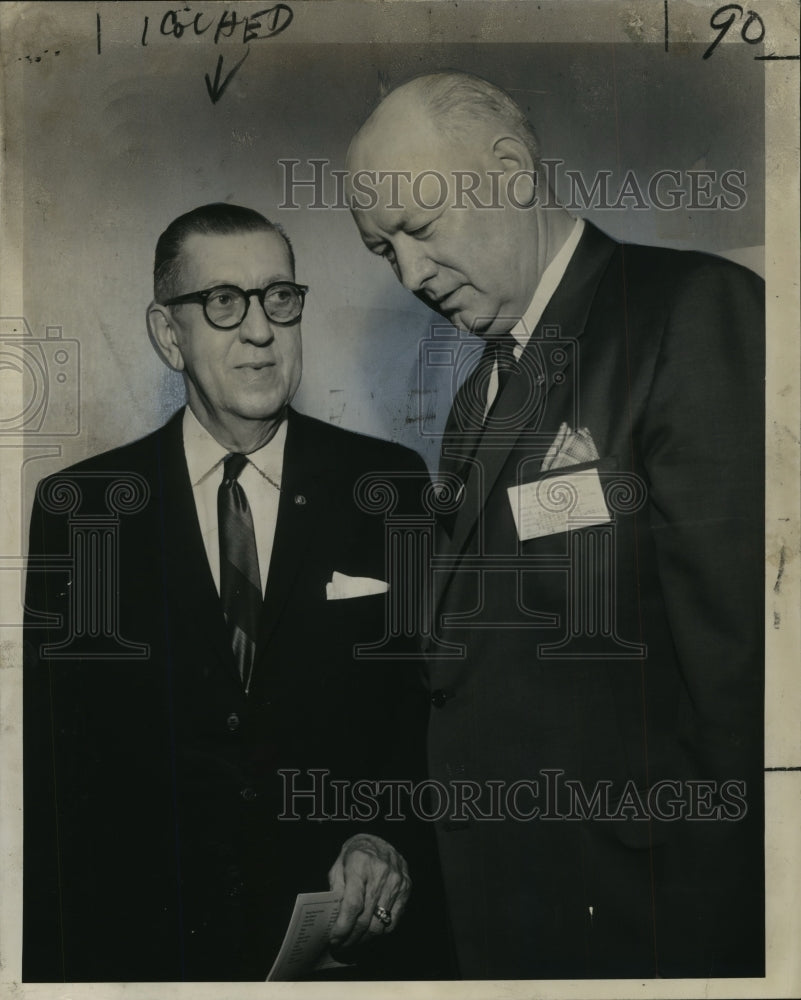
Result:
[201,297]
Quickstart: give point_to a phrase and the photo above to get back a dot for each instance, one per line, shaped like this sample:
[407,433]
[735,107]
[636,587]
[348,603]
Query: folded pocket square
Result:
[343,587]
[570,448]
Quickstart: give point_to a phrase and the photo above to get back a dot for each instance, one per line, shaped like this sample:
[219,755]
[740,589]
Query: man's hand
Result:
[369,873]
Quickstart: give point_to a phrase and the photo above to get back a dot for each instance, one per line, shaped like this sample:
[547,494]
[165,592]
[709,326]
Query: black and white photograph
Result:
[401,452]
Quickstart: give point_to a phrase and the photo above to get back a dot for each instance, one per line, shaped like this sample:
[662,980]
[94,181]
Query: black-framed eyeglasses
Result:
[225,306]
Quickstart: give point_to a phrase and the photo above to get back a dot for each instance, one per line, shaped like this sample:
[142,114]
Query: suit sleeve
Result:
[41,902]
[703,441]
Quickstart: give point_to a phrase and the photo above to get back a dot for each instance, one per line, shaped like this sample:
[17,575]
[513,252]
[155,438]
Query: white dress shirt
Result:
[543,293]
[260,479]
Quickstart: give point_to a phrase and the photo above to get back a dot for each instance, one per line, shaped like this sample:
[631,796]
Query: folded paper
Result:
[558,503]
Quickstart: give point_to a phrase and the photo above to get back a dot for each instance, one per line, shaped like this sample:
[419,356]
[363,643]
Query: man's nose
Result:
[413,266]
[255,328]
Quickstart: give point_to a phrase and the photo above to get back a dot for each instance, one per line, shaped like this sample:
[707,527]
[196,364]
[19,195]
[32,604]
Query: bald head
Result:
[455,105]
[391,138]
[443,184]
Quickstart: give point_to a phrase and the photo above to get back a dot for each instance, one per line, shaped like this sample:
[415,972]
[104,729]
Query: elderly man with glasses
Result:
[187,655]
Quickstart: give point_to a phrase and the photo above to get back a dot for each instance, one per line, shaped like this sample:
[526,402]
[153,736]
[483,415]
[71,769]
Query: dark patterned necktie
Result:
[507,366]
[472,415]
[502,353]
[240,584]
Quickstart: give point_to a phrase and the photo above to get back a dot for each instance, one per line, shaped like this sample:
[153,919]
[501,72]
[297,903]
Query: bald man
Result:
[600,566]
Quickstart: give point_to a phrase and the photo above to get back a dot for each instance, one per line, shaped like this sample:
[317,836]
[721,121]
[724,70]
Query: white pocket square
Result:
[570,448]
[343,587]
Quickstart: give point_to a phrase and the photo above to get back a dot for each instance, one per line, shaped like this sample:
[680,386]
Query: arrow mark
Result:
[217,89]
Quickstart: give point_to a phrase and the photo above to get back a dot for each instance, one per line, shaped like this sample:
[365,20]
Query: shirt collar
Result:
[548,284]
[204,454]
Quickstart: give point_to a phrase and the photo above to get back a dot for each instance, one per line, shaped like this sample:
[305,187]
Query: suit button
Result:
[249,794]
[232,722]
[438,698]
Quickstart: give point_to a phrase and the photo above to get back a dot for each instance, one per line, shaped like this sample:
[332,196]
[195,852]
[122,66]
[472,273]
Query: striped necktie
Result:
[507,366]
[501,351]
[240,583]
[472,413]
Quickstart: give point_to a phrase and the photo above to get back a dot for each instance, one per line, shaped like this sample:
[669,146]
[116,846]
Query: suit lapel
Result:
[194,595]
[542,368]
[298,521]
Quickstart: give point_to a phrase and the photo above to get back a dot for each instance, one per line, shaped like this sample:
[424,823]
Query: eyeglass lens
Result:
[227,306]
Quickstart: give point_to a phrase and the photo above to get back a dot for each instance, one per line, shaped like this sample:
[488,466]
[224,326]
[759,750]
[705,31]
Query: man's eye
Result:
[221,299]
[387,253]
[421,231]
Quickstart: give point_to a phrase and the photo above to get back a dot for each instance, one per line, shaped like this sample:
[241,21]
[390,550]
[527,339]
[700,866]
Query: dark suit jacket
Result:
[626,653]
[152,848]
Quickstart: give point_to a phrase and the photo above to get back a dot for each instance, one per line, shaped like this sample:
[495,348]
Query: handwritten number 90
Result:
[752,30]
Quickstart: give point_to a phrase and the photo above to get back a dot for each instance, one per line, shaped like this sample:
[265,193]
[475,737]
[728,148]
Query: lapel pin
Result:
[300,499]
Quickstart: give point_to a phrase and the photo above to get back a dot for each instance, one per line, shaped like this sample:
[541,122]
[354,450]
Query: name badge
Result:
[558,503]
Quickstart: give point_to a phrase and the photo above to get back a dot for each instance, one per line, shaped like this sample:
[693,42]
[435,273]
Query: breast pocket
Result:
[355,622]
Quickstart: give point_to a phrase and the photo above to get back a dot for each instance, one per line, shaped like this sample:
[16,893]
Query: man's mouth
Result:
[442,301]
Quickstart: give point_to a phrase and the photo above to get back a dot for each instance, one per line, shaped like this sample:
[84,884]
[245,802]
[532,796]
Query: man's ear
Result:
[516,161]
[162,336]
[513,153]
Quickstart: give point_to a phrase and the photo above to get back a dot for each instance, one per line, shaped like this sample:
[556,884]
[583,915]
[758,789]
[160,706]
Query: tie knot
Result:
[233,465]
